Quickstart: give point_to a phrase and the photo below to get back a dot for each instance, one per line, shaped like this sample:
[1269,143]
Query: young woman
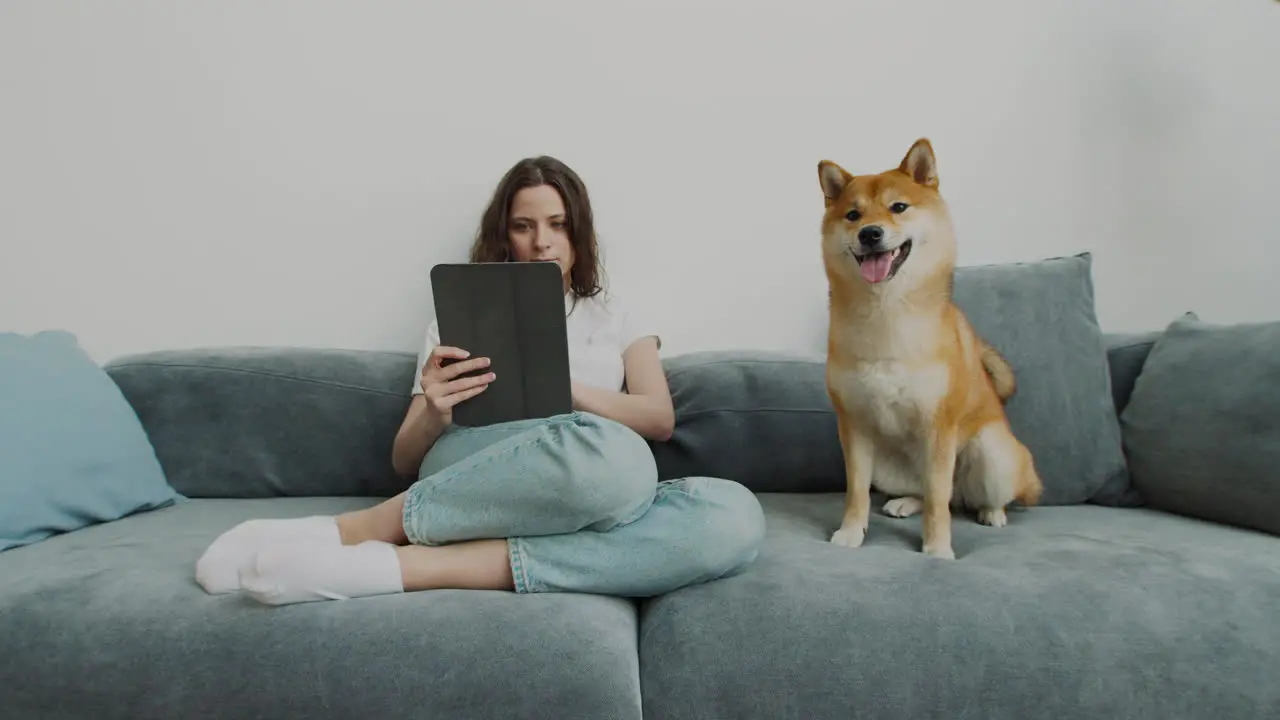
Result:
[564,504]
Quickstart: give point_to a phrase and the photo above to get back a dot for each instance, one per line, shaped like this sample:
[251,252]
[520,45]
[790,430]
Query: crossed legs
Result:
[571,504]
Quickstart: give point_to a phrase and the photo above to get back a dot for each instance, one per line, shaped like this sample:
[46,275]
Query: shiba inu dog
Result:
[918,395]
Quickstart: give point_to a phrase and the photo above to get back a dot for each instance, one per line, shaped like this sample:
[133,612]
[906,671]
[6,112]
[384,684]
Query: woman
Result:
[564,504]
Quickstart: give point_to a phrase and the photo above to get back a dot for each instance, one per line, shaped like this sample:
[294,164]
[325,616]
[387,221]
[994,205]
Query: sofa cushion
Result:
[72,451]
[1040,316]
[1068,612]
[1200,427]
[1127,354]
[108,623]
[270,422]
[765,420]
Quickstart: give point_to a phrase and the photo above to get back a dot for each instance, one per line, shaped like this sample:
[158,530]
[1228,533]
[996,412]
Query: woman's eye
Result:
[852,215]
[898,207]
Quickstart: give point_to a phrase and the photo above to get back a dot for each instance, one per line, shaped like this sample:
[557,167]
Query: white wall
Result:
[287,172]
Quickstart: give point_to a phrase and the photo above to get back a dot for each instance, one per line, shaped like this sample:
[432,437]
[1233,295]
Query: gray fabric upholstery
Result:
[1040,316]
[1202,428]
[269,422]
[1126,355]
[760,418]
[765,420]
[108,623]
[1068,612]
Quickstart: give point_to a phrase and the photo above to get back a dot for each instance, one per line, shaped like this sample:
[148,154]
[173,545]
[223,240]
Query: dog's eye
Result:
[852,215]
[898,207]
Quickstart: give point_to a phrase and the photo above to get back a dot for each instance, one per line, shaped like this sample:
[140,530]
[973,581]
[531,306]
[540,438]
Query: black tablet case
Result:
[512,313]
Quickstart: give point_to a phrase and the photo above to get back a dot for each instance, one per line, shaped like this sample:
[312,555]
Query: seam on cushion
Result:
[258,373]
[742,411]
[1077,257]
[260,351]
[714,363]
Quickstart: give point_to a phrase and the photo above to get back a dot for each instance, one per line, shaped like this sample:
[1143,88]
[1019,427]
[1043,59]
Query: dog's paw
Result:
[994,517]
[849,537]
[942,552]
[903,507]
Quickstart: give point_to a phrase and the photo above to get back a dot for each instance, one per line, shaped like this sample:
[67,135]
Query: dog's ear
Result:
[833,179]
[920,164]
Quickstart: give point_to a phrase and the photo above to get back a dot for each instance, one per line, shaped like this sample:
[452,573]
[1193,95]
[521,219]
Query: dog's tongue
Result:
[876,267]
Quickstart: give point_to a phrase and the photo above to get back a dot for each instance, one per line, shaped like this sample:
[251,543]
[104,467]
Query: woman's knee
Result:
[613,469]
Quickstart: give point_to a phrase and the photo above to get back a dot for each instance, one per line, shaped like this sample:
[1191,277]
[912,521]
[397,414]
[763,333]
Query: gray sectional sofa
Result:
[1146,586]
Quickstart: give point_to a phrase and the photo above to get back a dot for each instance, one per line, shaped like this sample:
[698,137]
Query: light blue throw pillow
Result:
[72,451]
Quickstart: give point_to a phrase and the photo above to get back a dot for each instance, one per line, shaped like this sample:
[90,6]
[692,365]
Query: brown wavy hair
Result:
[493,244]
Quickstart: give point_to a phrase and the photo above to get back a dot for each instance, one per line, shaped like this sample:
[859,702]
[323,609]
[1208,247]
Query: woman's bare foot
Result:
[383,522]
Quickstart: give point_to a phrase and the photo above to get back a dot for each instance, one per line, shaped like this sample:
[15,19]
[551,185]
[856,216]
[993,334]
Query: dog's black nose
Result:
[870,235]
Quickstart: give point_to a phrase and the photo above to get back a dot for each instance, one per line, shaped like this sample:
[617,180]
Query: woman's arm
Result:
[646,406]
[418,432]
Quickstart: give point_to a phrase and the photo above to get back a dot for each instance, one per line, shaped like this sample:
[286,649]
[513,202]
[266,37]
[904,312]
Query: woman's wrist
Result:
[431,425]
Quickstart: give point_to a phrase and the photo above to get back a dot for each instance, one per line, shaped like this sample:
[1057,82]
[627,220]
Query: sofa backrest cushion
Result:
[763,419]
[1200,426]
[264,422]
[1126,354]
[766,421]
[269,422]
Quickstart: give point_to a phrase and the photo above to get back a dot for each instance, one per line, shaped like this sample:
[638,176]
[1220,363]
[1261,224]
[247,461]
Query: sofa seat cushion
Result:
[107,622]
[1067,612]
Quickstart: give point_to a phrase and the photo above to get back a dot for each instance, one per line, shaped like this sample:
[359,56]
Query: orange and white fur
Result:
[918,395]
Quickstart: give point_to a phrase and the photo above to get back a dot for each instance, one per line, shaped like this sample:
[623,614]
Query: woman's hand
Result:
[442,386]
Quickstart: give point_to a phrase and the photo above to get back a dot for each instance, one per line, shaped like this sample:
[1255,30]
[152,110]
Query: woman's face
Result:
[538,228]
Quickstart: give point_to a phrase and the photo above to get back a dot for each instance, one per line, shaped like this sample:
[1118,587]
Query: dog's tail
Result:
[1030,487]
[1000,372]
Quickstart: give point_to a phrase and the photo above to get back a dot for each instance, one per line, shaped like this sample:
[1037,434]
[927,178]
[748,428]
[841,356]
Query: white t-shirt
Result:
[599,331]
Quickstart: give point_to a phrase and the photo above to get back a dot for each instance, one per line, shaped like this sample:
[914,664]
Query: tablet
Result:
[512,313]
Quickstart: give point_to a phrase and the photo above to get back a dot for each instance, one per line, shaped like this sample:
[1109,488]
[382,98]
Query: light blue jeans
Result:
[578,500]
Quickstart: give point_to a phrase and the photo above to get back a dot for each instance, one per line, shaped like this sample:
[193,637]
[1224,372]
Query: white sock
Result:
[286,573]
[218,570]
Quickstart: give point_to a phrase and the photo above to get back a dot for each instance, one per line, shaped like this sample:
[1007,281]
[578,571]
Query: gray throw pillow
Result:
[1040,315]
[1201,425]
[765,419]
